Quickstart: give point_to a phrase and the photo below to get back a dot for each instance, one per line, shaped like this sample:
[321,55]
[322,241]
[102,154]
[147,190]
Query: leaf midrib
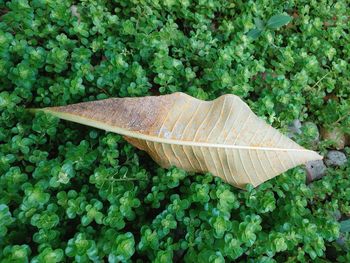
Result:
[137,135]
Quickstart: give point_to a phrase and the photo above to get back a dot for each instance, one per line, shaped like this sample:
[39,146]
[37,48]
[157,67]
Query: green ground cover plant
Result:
[70,193]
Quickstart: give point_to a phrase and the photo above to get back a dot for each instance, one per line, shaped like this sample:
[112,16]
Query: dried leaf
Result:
[336,135]
[222,136]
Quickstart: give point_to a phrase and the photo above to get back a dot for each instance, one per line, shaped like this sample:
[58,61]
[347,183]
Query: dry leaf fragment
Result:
[335,134]
[222,136]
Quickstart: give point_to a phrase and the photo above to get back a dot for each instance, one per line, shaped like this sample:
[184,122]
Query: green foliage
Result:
[49,255]
[74,193]
[123,248]
[5,219]
[273,22]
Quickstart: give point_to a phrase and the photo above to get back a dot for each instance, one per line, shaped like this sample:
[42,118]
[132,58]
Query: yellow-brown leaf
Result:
[222,136]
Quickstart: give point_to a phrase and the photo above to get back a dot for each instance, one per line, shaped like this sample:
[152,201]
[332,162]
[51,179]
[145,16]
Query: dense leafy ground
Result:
[69,192]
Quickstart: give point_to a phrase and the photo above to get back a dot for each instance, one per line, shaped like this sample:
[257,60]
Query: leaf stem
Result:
[320,79]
